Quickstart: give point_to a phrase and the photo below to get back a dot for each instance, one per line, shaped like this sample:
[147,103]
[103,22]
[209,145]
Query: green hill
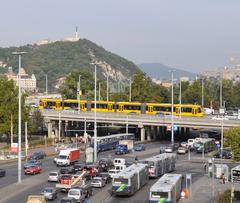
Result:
[58,59]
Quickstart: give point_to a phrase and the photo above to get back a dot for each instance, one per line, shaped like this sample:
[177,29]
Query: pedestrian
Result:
[205,167]
[223,178]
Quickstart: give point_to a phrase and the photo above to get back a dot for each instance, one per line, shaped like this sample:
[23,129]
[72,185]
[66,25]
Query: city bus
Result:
[160,164]
[110,142]
[206,145]
[130,180]
[167,189]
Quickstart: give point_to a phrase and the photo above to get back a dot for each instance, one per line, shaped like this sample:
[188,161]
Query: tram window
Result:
[159,194]
[163,108]
[51,103]
[199,110]
[186,109]
[129,107]
[121,180]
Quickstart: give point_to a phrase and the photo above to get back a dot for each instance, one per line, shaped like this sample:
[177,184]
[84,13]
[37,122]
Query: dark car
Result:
[68,200]
[49,193]
[106,177]
[226,154]
[105,164]
[78,167]
[63,171]
[139,147]
[2,172]
[32,163]
[38,155]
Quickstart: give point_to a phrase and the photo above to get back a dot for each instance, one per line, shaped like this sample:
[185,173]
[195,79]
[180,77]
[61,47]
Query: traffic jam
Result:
[78,181]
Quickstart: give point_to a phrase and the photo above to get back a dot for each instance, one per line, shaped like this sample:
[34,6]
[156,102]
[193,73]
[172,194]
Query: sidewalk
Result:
[206,189]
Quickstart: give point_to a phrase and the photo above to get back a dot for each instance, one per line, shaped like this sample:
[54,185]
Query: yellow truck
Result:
[36,199]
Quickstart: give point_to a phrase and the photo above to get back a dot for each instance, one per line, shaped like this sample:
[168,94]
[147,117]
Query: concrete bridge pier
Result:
[148,132]
[142,134]
[49,127]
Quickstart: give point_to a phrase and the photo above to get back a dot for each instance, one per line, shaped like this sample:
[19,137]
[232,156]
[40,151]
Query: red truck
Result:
[67,157]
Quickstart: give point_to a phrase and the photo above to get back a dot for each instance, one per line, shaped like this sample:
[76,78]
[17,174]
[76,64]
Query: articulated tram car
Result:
[130,180]
[122,107]
[167,189]
[160,164]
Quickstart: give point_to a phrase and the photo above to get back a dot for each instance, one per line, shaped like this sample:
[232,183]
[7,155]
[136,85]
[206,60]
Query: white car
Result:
[76,194]
[98,182]
[184,144]
[53,176]
[182,150]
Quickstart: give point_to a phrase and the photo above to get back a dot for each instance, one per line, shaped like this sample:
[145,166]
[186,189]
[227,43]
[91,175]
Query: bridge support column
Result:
[142,134]
[49,127]
[148,132]
[155,132]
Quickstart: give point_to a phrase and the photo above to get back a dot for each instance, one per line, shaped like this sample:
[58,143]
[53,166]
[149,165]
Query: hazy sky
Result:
[192,35]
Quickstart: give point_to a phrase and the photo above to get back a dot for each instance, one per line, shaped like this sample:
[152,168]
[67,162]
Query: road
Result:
[102,195]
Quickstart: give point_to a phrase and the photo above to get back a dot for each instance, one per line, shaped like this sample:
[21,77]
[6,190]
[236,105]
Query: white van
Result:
[119,161]
[191,142]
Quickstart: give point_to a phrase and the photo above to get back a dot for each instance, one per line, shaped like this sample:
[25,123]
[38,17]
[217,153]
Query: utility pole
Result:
[99,91]
[79,93]
[180,97]
[107,88]
[11,129]
[19,117]
[46,84]
[202,92]
[26,141]
[172,132]
[130,90]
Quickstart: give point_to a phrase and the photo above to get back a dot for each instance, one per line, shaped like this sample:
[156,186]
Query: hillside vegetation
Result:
[58,59]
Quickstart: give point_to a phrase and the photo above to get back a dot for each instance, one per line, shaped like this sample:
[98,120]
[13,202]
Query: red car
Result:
[32,170]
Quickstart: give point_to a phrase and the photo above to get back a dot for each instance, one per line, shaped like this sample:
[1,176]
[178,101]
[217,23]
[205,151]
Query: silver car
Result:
[53,176]
[98,182]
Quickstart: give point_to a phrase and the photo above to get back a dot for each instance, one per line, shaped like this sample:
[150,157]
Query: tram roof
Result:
[130,171]
[166,182]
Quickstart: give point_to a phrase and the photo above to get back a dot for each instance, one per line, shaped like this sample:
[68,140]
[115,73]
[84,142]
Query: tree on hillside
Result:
[232,139]
[69,89]
[9,106]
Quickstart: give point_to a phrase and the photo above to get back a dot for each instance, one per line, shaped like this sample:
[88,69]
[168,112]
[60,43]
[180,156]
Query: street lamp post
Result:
[79,93]
[19,114]
[220,105]
[46,84]
[130,90]
[172,131]
[180,97]
[202,92]
[99,91]
[107,88]
[95,112]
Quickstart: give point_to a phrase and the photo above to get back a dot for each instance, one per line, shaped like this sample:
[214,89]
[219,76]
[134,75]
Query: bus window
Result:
[159,195]
[121,181]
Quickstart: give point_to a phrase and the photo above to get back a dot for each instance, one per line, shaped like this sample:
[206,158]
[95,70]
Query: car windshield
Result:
[53,174]
[48,190]
[74,192]
[62,157]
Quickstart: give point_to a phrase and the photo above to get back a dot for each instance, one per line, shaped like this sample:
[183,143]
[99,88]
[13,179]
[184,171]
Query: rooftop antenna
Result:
[76,34]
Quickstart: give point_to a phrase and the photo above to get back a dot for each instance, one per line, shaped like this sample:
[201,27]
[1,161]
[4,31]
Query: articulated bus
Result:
[160,164]
[167,189]
[122,107]
[130,180]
